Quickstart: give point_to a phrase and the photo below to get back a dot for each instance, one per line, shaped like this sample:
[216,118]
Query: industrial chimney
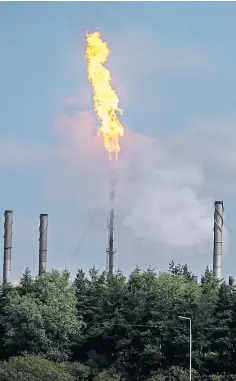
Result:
[111,227]
[43,242]
[111,243]
[7,245]
[218,228]
[195,279]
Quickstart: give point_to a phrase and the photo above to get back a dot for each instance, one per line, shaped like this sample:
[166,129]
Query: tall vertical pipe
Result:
[111,242]
[218,230]
[111,225]
[43,243]
[7,245]
[195,279]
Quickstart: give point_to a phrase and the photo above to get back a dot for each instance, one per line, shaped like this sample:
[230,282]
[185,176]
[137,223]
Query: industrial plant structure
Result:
[111,225]
[43,242]
[43,237]
[218,235]
[7,245]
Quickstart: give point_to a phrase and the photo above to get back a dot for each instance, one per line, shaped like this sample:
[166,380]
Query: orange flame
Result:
[106,101]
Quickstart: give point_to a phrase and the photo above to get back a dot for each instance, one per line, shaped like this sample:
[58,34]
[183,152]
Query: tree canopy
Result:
[101,327]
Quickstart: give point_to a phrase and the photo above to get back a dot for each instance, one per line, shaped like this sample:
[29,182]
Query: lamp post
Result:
[190,344]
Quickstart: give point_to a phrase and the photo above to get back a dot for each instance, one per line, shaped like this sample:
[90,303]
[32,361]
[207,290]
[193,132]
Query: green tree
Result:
[45,320]
[232,327]
[32,368]
[221,340]
[203,322]
[80,372]
[177,373]
[131,329]
[90,293]
[180,270]
[26,283]
[6,292]
[134,325]
[157,376]
[108,375]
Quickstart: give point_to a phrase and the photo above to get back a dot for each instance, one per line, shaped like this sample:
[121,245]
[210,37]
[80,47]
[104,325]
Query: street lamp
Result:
[190,344]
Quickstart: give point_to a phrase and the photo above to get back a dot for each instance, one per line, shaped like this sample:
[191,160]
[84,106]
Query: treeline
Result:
[113,328]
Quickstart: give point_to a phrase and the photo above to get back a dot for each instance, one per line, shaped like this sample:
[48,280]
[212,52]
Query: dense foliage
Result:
[113,328]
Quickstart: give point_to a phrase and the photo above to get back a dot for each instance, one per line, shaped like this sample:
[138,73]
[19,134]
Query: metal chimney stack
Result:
[231,281]
[195,279]
[111,243]
[7,245]
[218,229]
[111,227]
[43,242]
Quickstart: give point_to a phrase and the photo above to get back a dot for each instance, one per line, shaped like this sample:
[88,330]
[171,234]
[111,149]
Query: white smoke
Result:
[160,195]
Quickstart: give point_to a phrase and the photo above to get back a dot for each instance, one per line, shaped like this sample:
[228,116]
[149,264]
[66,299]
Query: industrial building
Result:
[43,238]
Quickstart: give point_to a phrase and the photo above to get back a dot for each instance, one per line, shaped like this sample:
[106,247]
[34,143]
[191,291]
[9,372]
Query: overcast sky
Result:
[174,69]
